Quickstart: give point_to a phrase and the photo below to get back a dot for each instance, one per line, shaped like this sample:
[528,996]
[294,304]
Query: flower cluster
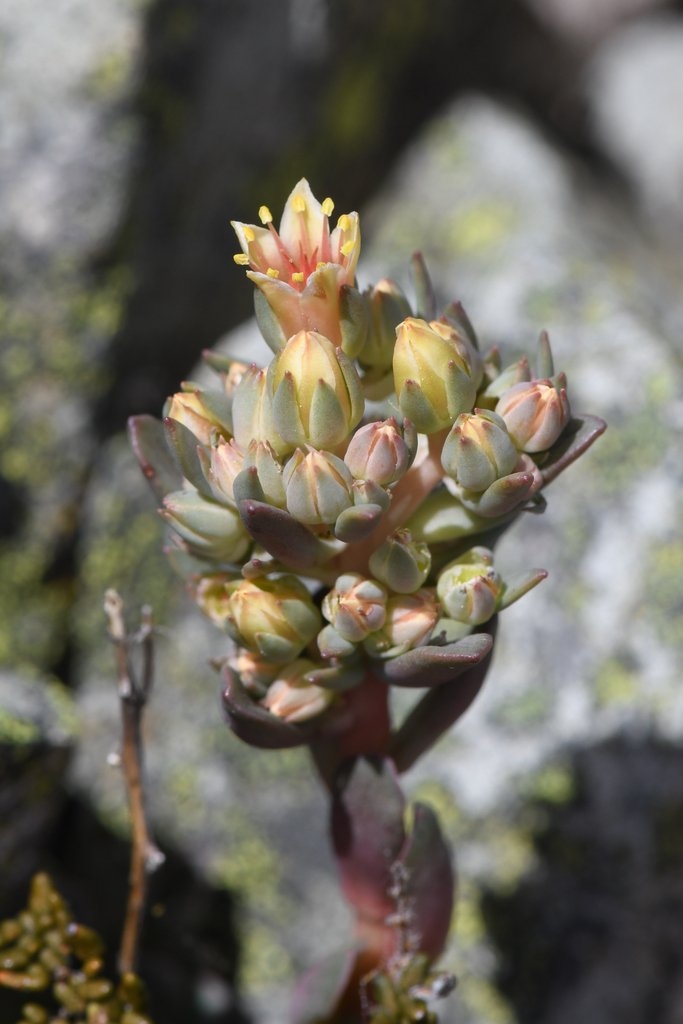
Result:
[337,508]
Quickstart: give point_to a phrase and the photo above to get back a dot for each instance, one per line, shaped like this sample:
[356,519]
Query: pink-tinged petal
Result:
[261,246]
[304,226]
[345,244]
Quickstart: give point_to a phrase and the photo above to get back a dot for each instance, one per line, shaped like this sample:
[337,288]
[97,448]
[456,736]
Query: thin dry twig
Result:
[133,694]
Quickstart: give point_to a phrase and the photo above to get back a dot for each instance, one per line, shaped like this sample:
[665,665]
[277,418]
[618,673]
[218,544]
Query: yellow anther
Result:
[241,259]
[320,265]
[328,207]
[249,233]
[265,216]
[299,204]
[298,277]
[272,272]
[344,222]
[347,248]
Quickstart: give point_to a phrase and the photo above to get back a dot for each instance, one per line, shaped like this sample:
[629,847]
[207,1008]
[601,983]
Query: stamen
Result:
[347,248]
[320,265]
[272,272]
[328,207]
[249,233]
[344,222]
[265,216]
[241,259]
[299,204]
[298,277]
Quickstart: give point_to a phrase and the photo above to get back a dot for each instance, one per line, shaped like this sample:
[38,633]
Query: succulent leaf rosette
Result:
[335,512]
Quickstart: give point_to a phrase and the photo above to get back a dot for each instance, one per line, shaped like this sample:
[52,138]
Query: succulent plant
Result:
[336,513]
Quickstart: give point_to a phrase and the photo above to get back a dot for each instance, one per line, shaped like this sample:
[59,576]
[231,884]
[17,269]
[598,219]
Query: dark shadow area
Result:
[594,933]
[189,948]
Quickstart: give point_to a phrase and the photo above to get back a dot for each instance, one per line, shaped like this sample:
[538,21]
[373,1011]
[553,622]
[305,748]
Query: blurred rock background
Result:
[534,152]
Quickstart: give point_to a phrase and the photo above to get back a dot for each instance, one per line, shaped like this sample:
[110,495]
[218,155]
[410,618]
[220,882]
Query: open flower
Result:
[301,269]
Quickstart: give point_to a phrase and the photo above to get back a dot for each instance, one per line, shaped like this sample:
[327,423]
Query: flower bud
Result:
[210,530]
[274,617]
[436,372]
[255,673]
[225,462]
[292,698]
[478,450]
[469,588]
[211,594]
[401,563]
[252,414]
[191,409]
[317,487]
[409,622]
[316,392]
[261,456]
[355,606]
[388,307]
[535,413]
[381,452]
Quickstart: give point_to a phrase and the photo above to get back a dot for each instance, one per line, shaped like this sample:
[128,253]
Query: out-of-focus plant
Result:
[44,950]
[335,513]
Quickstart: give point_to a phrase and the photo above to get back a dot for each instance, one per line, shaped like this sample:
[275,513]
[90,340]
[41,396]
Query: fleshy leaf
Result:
[367,833]
[148,441]
[518,586]
[425,299]
[436,712]
[430,880]
[433,665]
[254,724]
[287,540]
[577,437]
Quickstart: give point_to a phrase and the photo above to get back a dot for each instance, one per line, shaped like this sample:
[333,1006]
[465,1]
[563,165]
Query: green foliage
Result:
[44,950]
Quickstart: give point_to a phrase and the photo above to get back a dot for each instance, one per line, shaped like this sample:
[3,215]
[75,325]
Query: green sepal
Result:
[455,315]
[354,320]
[268,322]
[502,497]
[357,522]
[544,357]
[337,678]
[184,445]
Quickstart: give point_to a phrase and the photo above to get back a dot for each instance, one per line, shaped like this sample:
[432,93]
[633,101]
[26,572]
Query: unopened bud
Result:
[410,619]
[274,617]
[294,699]
[317,487]
[388,307]
[535,413]
[225,462]
[469,588]
[262,458]
[478,450]
[211,594]
[436,371]
[381,451]
[316,392]
[401,563]
[211,530]
[356,606]
[191,409]
[252,413]
[255,673]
